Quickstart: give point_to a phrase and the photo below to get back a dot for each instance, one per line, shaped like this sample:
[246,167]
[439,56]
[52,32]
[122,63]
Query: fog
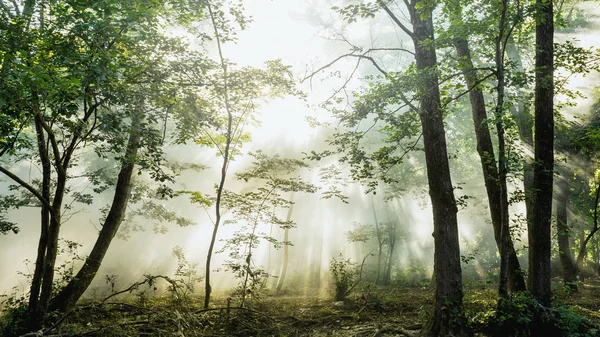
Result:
[301,34]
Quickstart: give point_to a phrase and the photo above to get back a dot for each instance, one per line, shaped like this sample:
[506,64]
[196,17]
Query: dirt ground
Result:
[399,310]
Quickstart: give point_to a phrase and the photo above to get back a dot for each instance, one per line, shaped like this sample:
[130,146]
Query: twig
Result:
[134,286]
[237,308]
[362,265]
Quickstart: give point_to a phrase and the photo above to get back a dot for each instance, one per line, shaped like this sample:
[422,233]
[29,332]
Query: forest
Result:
[299,168]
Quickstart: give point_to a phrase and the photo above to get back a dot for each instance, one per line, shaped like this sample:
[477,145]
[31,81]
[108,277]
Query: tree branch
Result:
[479,81]
[30,188]
[395,18]
[14,140]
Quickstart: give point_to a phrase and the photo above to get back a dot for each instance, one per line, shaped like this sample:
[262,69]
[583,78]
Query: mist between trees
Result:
[153,149]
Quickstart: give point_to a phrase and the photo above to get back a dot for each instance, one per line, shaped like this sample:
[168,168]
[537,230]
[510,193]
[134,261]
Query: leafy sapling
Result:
[251,210]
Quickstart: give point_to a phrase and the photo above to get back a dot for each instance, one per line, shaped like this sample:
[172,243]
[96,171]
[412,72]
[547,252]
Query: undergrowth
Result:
[369,311]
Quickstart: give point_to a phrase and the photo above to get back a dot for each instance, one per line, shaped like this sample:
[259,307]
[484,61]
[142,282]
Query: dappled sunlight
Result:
[287,147]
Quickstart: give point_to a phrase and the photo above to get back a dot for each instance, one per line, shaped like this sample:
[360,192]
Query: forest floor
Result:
[398,310]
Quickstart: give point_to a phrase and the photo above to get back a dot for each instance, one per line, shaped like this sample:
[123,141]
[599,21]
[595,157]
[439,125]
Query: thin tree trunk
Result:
[502,164]
[581,255]
[224,167]
[584,240]
[36,281]
[387,277]
[564,250]
[72,292]
[485,149]
[52,242]
[379,243]
[313,278]
[286,251]
[248,268]
[539,231]
[62,162]
[522,114]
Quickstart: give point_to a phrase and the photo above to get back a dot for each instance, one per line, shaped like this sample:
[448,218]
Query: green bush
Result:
[524,316]
[345,276]
[14,319]
[574,325]
[514,316]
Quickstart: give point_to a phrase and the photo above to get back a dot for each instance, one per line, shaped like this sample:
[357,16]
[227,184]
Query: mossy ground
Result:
[396,310]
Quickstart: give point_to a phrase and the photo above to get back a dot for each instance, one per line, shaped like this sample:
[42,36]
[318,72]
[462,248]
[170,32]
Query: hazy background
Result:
[301,34]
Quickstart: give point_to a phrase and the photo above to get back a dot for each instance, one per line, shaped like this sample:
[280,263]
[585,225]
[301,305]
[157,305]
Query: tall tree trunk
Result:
[52,242]
[564,250]
[522,114]
[448,316]
[225,165]
[72,292]
[581,254]
[502,160]
[286,250]
[379,243]
[36,281]
[585,239]
[485,149]
[539,231]
[62,162]
[387,275]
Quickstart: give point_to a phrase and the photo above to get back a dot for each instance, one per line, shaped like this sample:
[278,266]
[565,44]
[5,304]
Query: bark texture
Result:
[569,269]
[539,229]
[70,294]
[35,311]
[522,114]
[387,272]
[485,149]
[585,239]
[448,316]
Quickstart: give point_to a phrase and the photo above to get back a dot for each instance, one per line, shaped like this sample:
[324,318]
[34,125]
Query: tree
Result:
[567,56]
[70,294]
[82,75]
[495,180]
[227,107]
[422,80]
[584,140]
[543,170]
[448,316]
[286,250]
[251,209]
[386,236]
[563,234]
[392,236]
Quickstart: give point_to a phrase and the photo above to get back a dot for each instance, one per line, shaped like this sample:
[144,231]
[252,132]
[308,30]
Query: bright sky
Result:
[279,31]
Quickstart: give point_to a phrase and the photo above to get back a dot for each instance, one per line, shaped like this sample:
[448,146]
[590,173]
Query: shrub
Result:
[345,275]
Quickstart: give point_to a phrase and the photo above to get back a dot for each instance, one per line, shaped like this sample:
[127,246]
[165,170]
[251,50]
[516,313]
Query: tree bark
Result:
[522,114]
[448,316]
[72,292]
[539,231]
[387,272]
[36,281]
[286,251]
[224,167]
[502,160]
[585,239]
[53,236]
[379,244]
[581,255]
[569,269]
[485,149]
